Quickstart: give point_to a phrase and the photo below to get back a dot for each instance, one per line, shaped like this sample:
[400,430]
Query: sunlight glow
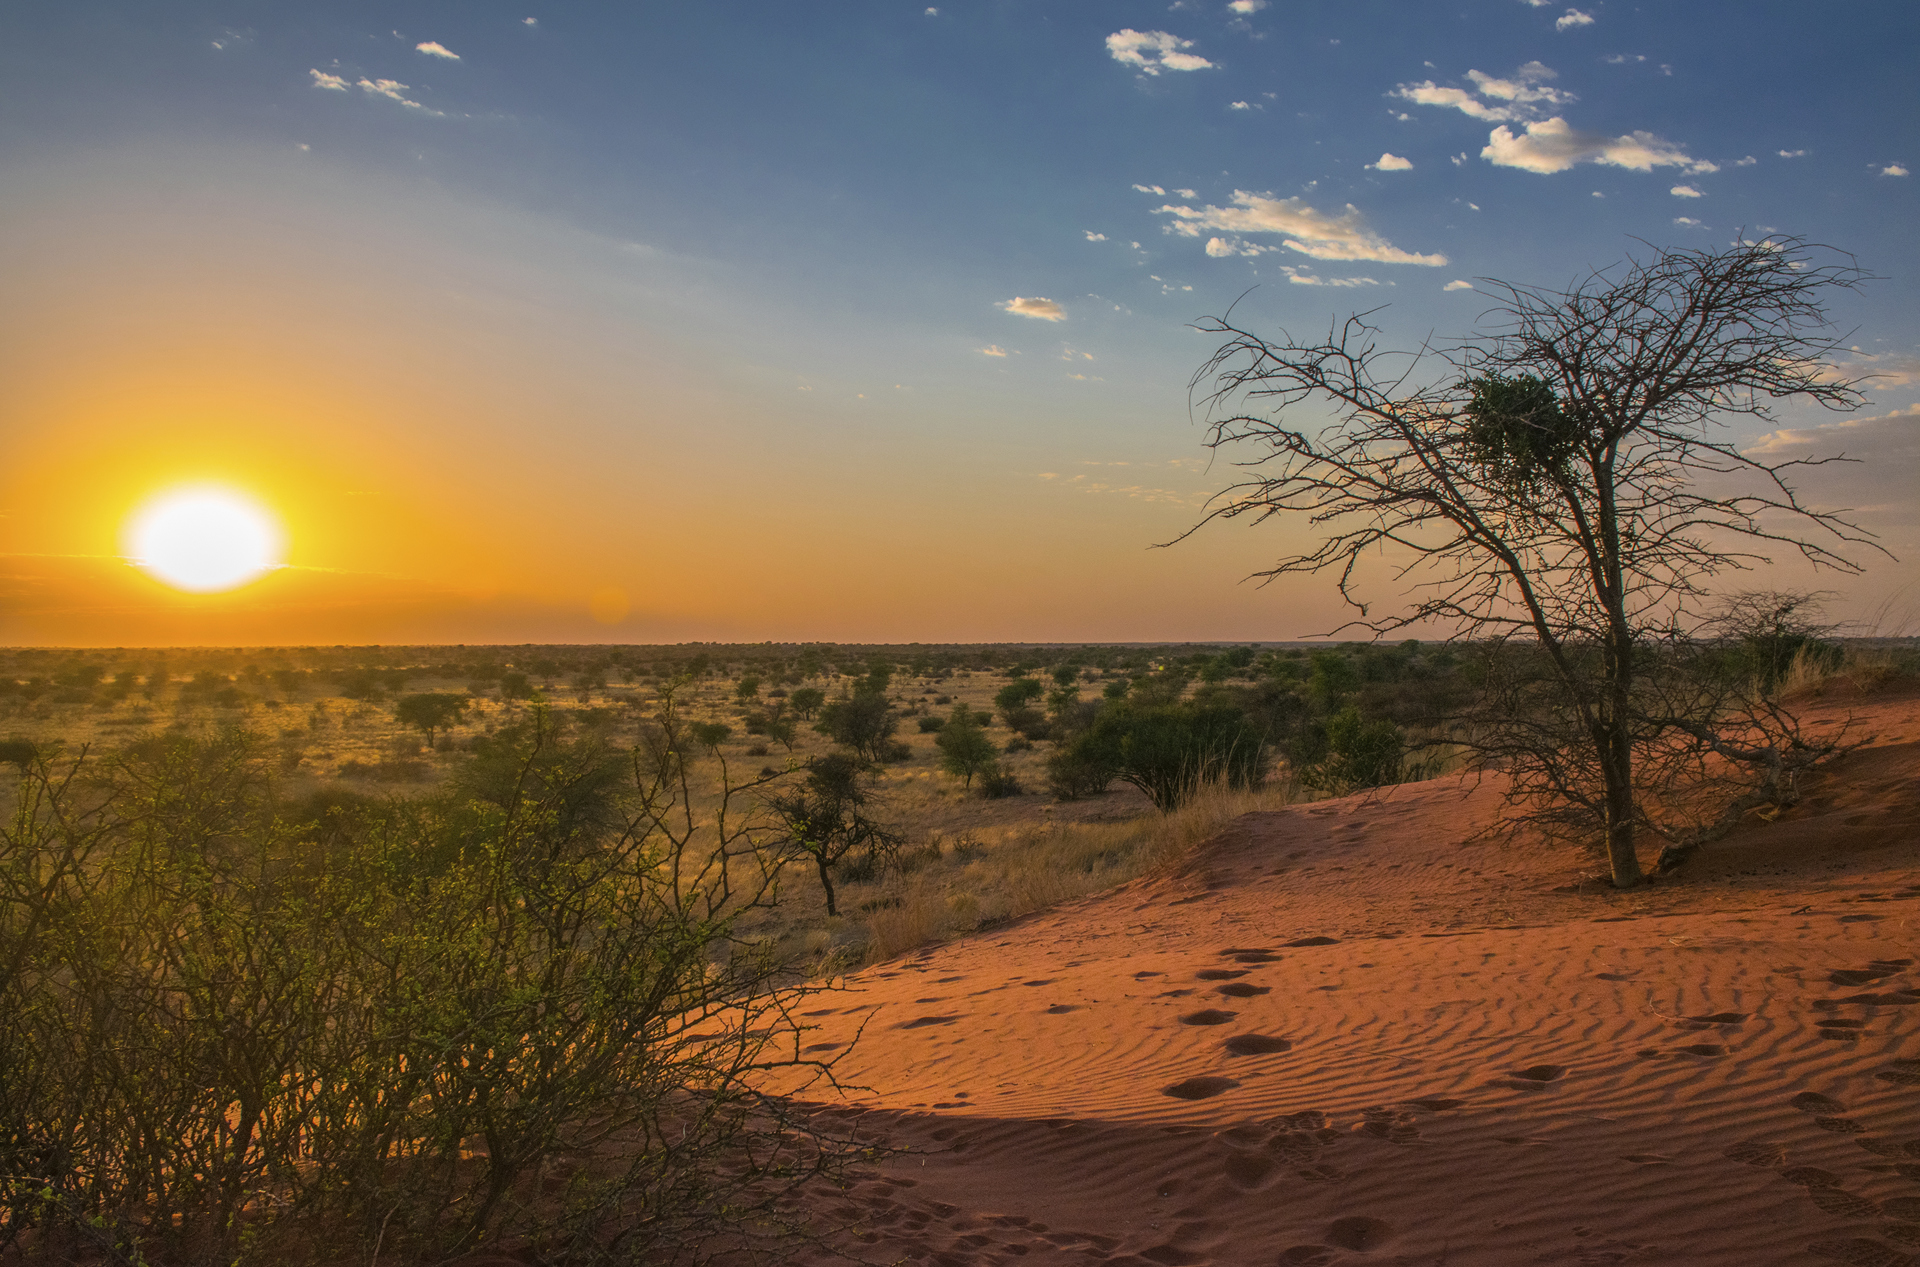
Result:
[204,539]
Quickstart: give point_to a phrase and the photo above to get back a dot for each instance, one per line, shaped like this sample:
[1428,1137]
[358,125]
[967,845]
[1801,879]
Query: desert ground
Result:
[1372,1030]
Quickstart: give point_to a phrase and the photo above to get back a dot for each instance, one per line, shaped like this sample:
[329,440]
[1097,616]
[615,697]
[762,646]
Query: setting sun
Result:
[204,539]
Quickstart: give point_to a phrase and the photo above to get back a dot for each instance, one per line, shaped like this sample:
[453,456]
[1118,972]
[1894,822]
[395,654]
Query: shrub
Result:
[1170,750]
[931,724]
[996,783]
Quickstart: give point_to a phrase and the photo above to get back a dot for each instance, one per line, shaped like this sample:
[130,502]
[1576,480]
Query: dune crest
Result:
[1364,1031]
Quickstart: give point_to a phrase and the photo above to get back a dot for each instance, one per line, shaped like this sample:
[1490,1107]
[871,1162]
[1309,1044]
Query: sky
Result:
[859,321]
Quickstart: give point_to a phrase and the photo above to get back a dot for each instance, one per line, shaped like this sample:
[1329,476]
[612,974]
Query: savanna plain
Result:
[1003,954]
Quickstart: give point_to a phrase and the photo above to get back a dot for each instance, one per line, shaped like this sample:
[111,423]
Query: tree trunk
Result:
[1617,769]
[826,881]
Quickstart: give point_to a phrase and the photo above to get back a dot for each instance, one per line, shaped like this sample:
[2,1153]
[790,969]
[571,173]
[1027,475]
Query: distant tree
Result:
[806,701]
[964,748]
[1169,751]
[747,690]
[825,822]
[710,734]
[1564,485]
[1017,695]
[430,711]
[516,686]
[863,721]
[781,729]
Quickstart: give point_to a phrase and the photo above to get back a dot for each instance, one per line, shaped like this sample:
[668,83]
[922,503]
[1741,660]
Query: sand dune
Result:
[1348,1032]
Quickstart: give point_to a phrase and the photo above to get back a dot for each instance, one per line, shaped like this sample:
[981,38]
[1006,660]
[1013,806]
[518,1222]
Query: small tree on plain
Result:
[965,749]
[824,821]
[1565,485]
[430,711]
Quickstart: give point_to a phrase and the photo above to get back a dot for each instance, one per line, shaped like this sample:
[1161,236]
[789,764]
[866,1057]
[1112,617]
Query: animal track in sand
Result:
[1249,1170]
[1757,1152]
[1242,990]
[1204,1088]
[1533,1077]
[1616,976]
[1860,1251]
[1142,976]
[1219,974]
[1315,941]
[1208,1016]
[921,1022]
[1814,1102]
[1359,1234]
[1396,1127]
[1061,1009]
[1048,981]
[1257,1045]
[822,1047]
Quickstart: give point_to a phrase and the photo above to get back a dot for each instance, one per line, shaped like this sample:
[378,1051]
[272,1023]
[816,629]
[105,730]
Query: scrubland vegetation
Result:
[410,951]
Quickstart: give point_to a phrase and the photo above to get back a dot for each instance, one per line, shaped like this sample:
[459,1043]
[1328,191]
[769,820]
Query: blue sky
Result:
[850,320]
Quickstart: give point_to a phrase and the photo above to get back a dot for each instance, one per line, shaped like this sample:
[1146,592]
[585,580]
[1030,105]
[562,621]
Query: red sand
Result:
[1347,1034]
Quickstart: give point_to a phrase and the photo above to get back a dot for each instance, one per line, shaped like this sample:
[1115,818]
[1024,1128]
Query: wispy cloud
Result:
[1793,153]
[1553,146]
[992,349]
[434,48]
[321,79]
[1094,237]
[1687,220]
[1392,163]
[1775,443]
[1457,284]
[1036,307]
[1521,95]
[1154,51]
[1151,189]
[1312,233]
[1307,277]
[393,90]
[1247,8]
[1571,19]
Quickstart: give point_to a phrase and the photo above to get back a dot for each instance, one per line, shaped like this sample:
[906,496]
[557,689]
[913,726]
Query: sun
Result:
[204,539]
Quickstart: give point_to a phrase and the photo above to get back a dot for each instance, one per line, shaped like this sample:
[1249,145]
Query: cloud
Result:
[1687,220]
[434,48]
[1521,94]
[529,21]
[1457,284]
[992,349]
[392,90]
[321,79]
[1882,371]
[1151,189]
[1154,51]
[1552,146]
[1041,309]
[1894,169]
[1186,193]
[1094,237]
[1247,8]
[1793,153]
[1571,19]
[1303,229]
[1391,163]
[1828,434]
[1307,277]
[1748,161]
[1685,191]
[1239,105]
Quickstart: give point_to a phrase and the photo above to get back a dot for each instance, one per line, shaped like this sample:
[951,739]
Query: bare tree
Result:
[1564,483]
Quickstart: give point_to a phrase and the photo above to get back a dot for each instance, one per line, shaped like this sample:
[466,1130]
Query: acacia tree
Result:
[1565,484]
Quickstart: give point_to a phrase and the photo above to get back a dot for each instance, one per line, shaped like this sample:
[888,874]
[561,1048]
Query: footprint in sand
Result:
[1242,990]
[1208,1016]
[822,1047]
[1844,1204]
[1396,1127]
[1199,1088]
[1905,1073]
[1257,1045]
[1048,981]
[1142,976]
[1220,974]
[1249,1170]
[1840,1125]
[921,1022]
[1533,1077]
[1061,1009]
[1359,1234]
[1757,1152]
[1860,1251]
[1435,1105]
[1901,1208]
[1315,941]
[1814,1102]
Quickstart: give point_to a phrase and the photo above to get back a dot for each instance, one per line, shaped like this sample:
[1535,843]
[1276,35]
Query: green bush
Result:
[246,1030]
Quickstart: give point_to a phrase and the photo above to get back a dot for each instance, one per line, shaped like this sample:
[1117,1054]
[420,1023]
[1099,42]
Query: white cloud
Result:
[1457,284]
[529,21]
[393,90]
[1521,94]
[1571,19]
[1778,443]
[1793,153]
[1748,161]
[992,349]
[1247,8]
[1552,146]
[1041,309]
[434,48]
[1239,105]
[321,79]
[1536,4]
[1685,191]
[1392,163]
[1186,193]
[1094,237]
[932,12]
[1882,371]
[1303,229]
[1154,51]
[1151,189]
[1894,169]
[1306,277]
[1689,220]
